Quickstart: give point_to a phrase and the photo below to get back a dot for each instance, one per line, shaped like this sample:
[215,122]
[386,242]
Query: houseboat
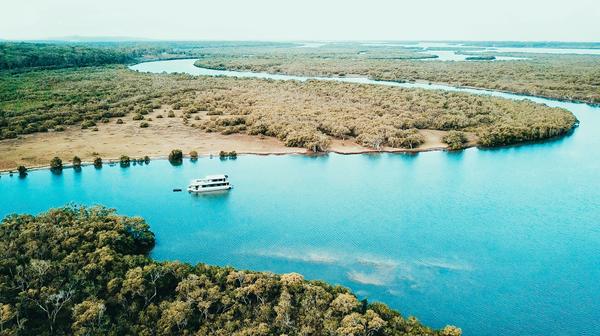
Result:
[210,183]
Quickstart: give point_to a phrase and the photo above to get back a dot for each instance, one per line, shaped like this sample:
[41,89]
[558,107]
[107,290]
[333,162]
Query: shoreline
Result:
[357,150]
[111,140]
[107,161]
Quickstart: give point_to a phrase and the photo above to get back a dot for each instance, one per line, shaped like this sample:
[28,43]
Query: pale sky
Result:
[573,20]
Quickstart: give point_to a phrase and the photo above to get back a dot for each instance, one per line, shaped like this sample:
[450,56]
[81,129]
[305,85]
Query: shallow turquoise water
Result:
[489,240]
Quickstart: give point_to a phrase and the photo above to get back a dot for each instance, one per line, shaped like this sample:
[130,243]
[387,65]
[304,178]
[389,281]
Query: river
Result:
[503,241]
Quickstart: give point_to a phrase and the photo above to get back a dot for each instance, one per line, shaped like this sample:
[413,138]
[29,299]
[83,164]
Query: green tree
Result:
[56,164]
[76,162]
[22,171]
[176,156]
[124,161]
[175,317]
[455,140]
[90,318]
[7,314]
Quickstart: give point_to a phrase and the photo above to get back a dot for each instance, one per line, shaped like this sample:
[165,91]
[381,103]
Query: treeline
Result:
[86,271]
[35,55]
[300,114]
[61,54]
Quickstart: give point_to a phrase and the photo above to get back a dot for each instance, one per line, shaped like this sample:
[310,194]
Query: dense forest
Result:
[60,54]
[301,114]
[86,271]
[28,55]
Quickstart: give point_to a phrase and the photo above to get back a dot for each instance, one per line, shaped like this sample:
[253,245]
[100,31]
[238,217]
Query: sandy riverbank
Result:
[113,140]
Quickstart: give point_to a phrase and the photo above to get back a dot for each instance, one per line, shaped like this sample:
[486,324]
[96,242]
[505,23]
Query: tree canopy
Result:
[86,271]
[300,114]
[30,55]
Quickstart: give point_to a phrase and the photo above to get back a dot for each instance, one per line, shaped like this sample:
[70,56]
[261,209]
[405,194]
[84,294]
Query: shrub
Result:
[98,162]
[9,134]
[144,125]
[104,120]
[314,141]
[124,161]
[119,121]
[87,124]
[231,121]
[171,114]
[76,162]
[59,129]
[227,155]
[176,155]
[405,139]
[194,155]
[56,164]
[138,117]
[229,130]
[146,159]
[22,171]
[455,140]
[160,116]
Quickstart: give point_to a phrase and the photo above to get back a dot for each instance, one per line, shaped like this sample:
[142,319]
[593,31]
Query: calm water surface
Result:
[490,240]
[448,55]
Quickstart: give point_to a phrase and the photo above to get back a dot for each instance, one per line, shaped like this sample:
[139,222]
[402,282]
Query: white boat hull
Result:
[208,189]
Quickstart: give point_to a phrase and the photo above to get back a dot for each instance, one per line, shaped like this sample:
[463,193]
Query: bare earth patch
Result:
[164,134]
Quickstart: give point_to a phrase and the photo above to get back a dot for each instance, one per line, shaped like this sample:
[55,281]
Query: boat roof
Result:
[215,177]
[208,178]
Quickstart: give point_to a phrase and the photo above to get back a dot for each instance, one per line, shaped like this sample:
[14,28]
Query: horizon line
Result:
[107,38]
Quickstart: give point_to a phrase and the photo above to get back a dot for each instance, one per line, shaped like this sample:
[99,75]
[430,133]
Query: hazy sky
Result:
[573,20]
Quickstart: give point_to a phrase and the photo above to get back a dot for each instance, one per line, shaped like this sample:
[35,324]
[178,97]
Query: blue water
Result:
[503,241]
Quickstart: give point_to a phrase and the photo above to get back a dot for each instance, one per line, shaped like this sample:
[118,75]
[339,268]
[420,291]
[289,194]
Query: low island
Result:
[480,58]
